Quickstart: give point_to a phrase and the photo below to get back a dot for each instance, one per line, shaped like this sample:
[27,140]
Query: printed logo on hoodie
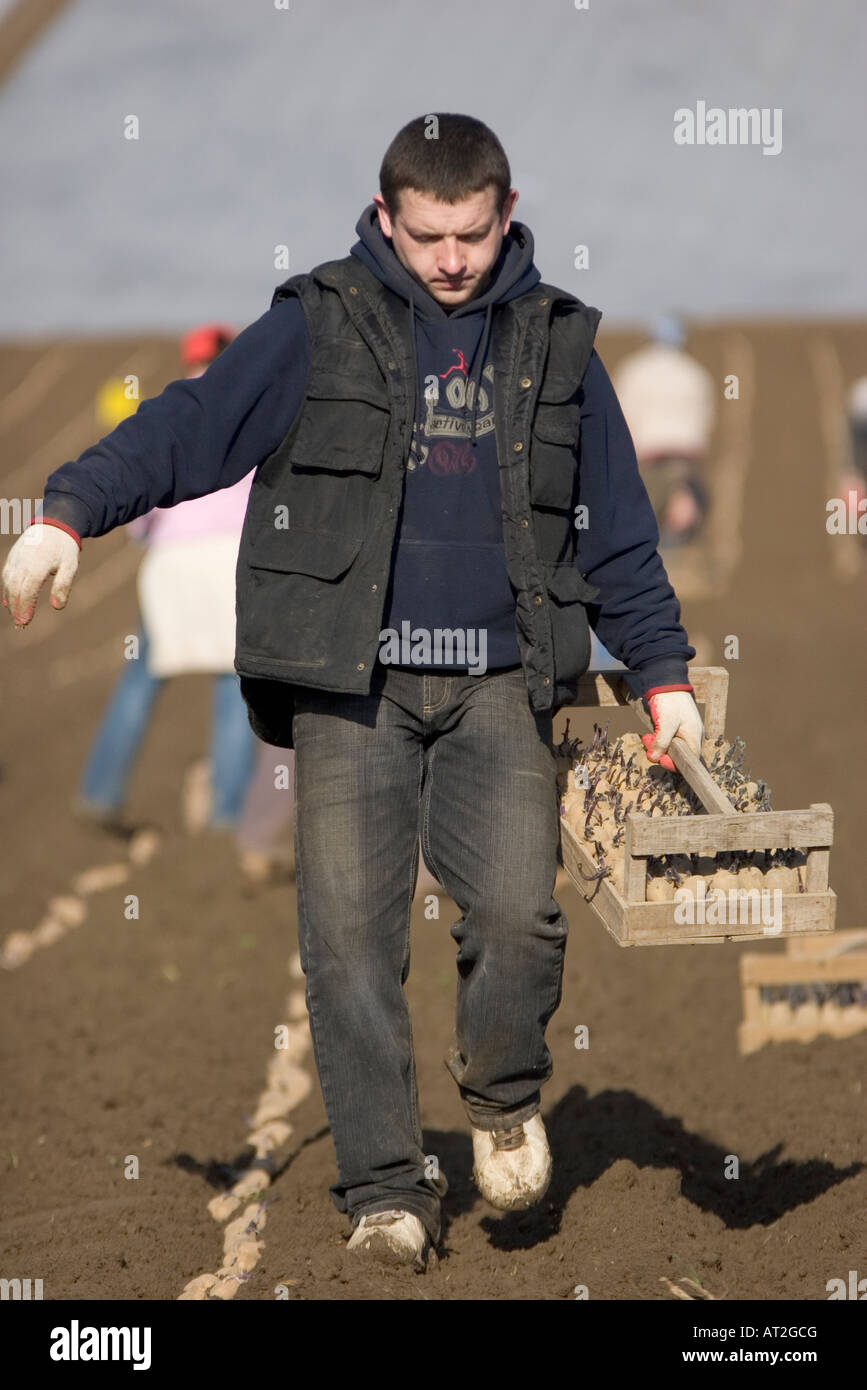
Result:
[449,397]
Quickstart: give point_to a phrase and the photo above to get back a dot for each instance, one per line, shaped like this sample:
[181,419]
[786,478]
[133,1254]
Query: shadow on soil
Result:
[589,1134]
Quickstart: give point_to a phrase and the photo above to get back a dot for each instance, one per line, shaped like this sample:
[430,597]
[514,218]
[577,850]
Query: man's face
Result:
[449,248]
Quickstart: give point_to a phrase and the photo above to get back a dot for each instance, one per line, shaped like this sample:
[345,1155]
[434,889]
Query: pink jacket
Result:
[217,513]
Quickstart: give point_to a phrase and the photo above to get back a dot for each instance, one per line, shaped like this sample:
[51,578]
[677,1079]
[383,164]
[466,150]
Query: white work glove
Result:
[675,715]
[41,550]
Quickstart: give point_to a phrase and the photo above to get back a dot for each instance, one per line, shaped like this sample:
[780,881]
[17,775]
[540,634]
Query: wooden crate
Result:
[806,961]
[633,921]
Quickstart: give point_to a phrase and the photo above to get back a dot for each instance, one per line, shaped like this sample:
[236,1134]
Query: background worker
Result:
[186,588]
[854,469]
[668,399]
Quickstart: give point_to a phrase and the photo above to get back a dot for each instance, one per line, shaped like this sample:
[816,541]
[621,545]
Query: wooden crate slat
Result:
[816,870]
[802,970]
[747,830]
[751,1036]
[711,684]
[602,895]
[844,941]
[634,877]
[751,1001]
[800,912]
[821,962]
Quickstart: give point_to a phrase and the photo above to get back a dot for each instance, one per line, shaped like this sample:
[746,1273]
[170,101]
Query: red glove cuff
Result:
[51,521]
[663,689]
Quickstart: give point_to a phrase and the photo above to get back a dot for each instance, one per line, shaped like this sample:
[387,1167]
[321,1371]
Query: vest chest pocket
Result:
[566,584]
[320,554]
[553,455]
[344,421]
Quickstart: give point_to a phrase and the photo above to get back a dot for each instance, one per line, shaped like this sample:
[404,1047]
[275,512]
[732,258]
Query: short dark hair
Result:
[447,156]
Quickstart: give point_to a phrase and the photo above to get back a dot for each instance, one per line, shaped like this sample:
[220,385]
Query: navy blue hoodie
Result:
[449,563]
[208,432]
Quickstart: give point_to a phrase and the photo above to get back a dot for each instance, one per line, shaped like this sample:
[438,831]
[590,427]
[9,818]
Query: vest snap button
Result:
[546,681]
[518,447]
[373,588]
[360,666]
[525,522]
[543,301]
[353,290]
[526,382]
[538,598]
[391,366]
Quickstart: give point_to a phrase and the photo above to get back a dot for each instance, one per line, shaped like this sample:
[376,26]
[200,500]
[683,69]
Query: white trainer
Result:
[512,1167]
[395,1236]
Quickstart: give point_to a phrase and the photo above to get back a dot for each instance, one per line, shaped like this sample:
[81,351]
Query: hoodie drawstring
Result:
[481,353]
[418,396]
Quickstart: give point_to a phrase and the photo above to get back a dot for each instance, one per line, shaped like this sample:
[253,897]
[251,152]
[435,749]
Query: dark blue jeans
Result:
[465,762]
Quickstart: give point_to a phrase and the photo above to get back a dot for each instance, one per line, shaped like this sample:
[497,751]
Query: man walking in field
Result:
[446,492]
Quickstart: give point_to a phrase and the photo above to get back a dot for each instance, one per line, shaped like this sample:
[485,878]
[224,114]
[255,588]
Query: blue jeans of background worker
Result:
[465,763]
[105,782]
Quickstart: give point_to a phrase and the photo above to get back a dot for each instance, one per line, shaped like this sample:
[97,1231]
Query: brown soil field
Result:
[152,1037]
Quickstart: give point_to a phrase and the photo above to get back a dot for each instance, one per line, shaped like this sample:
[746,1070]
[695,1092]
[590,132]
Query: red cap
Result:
[206,342]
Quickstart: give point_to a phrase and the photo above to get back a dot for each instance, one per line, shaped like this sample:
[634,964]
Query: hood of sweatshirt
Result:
[512,274]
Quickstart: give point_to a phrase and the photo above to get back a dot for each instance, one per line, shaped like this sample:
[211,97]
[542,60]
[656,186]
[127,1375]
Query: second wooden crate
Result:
[806,963]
